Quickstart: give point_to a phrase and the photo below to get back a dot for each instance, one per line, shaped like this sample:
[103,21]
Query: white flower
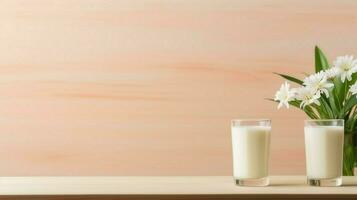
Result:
[284,95]
[332,72]
[307,96]
[353,89]
[346,66]
[318,82]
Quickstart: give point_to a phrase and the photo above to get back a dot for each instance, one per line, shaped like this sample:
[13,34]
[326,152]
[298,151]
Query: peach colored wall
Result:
[148,87]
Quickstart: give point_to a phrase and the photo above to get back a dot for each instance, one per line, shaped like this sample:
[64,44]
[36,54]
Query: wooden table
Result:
[164,187]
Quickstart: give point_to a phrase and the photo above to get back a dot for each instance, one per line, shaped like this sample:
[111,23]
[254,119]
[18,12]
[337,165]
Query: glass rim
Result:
[251,120]
[323,120]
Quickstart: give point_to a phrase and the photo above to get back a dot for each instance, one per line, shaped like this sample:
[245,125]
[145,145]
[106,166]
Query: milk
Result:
[250,151]
[323,148]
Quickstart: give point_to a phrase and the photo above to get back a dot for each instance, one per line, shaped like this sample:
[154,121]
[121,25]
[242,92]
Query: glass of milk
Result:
[250,143]
[324,151]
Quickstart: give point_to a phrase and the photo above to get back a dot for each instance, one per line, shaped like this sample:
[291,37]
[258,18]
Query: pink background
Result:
[91,87]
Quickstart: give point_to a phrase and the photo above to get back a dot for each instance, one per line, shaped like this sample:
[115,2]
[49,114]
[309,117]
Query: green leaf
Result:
[290,78]
[339,90]
[326,107]
[350,123]
[321,62]
[343,93]
[354,79]
[348,159]
[295,104]
[333,103]
[352,101]
[308,110]
[321,110]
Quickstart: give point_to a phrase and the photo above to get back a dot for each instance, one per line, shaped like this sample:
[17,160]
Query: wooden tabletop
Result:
[166,187]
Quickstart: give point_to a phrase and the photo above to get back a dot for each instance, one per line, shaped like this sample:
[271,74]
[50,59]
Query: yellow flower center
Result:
[345,66]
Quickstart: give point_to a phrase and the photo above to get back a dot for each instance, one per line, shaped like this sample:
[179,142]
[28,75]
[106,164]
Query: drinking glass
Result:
[250,144]
[324,151]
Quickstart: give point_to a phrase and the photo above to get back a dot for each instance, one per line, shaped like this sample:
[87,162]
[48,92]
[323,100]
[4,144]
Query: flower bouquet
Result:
[329,93]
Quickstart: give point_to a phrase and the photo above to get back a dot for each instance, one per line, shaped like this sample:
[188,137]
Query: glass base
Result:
[258,182]
[332,182]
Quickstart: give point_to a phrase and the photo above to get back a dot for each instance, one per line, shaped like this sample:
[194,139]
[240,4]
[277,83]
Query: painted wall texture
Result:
[149,87]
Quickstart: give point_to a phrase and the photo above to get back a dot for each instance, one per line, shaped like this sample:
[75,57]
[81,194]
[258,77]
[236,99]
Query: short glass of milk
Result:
[324,151]
[250,144]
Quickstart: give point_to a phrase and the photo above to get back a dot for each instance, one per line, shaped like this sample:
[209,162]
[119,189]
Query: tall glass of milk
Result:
[324,151]
[250,144]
